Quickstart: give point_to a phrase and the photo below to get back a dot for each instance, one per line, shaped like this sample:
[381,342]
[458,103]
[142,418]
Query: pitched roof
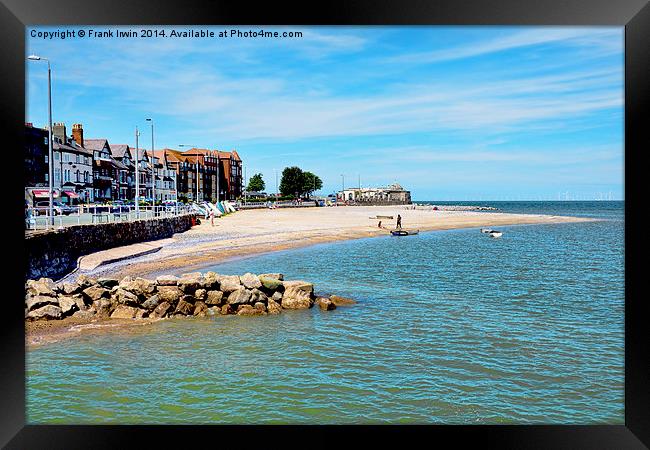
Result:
[119,150]
[95,144]
[71,148]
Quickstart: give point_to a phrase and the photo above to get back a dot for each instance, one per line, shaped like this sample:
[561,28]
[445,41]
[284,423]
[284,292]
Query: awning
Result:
[44,193]
[71,194]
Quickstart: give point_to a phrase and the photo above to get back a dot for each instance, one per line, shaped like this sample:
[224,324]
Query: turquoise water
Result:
[451,327]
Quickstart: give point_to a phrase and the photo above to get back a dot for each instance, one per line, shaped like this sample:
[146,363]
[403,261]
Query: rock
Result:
[248,310]
[125,297]
[38,301]
[151,303]
[103,307]
[259,305]
[200,309]
[239,296]
[44,286]
[214,298]
[184,307]
[258,296]
[296,298]
[190,282]
[124,312]
[169,294]
[84,281]
[140,286]
[67,305]
[107,283]
[94,293]
[47,312]
[141,313]
[299,284]
[273,307]
[160,310]
[277,296]
[272,284]
[227,309]
[325,304]
[277,276]
[69,288]
[200,294]
[250,281]
[83,314]
[167,280]
[229,283]
[214,310]
[211,280]
[341,301]
[79,299]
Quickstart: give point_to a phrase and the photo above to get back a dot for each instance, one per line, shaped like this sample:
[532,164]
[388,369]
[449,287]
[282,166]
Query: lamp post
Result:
[137,174]
[342,187]
[153,166]
[197,172]
[49,137]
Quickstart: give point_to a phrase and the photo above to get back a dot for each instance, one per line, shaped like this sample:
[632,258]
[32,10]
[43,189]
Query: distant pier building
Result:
[394,194]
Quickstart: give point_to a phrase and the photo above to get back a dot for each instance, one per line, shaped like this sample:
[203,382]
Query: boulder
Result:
[94,293]
[214,298]
[151,303]
[167,280]
[107,283]
[229,283]
[295,297]
[272,284]
[299,284]
[68,305]
[184,307]
[341,301]
[103,307]
[277,276]
[141,313]
[84,281]
[214,311]
[83,314]
[44,286]
[125,297]
[258,296]
[273,307]
[124,312]
[69,288]
[250,281]
[259,305]
[190,282]
[160,310]
[47,312]
[169,294]
[239,296]
[227,309]
[325,304]
[211,280]
[79,299]
[248,310]
[38,301]
[200,309]
[277,296]
[200,294]
[140,286]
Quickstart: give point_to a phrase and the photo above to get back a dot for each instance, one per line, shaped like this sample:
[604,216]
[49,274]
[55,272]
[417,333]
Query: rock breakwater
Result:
[191,294]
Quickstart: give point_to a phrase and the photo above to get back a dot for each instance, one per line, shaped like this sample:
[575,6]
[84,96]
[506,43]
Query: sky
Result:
[450,113]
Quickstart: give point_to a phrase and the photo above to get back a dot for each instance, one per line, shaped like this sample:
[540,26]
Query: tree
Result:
[292,181]
[311,183]
[256,183]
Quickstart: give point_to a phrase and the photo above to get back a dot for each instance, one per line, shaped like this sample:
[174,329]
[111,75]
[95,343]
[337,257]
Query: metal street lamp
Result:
[137,174]
[153,167]
[49,137]
[343,187]
[197,170]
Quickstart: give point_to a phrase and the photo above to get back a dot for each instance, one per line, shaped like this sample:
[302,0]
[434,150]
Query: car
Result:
[41,208]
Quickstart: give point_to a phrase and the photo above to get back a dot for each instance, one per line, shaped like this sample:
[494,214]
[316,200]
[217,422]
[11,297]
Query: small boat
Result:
[495,233]
[486,230]
[381,217]
[404,232]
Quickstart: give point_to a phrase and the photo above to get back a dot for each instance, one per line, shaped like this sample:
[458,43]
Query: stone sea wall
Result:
[192,294]
[53,254]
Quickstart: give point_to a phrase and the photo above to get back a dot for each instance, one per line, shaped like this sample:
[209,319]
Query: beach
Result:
[251,232]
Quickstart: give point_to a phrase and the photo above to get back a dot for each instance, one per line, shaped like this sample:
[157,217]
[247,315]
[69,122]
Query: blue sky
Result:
[451,113]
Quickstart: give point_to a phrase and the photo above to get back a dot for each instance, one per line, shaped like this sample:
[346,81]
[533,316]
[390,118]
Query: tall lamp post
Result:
[153,167]
[49,131]
[343,187]
[137,174]
[197,170]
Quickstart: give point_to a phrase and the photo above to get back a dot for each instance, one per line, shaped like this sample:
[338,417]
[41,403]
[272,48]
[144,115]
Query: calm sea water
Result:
[451,327]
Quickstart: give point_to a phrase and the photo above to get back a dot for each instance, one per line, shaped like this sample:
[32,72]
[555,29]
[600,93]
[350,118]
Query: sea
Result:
[450,327]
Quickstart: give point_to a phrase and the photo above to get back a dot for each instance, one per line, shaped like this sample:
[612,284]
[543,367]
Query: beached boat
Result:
[486,230]
[495,233]
[381,217]
[404,232]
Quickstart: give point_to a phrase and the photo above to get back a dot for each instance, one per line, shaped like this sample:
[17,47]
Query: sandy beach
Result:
[251,232]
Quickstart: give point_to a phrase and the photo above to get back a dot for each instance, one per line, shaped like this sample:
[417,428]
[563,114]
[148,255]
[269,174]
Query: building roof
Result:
[119,150]
[95,144]
[71,148]
[118,164]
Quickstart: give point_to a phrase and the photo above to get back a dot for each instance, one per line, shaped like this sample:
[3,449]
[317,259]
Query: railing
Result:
[38,218]
[282,204]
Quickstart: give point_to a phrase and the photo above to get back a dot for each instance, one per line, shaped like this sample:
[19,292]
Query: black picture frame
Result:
[15,15]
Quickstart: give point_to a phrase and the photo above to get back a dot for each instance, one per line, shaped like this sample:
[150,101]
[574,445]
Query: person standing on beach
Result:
[212,217]
[399,222]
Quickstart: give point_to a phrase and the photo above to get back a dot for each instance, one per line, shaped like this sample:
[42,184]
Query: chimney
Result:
[58,131]
[78,133]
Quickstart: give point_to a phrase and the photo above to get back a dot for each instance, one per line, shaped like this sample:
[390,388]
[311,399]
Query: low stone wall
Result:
[54,253]
[192,294]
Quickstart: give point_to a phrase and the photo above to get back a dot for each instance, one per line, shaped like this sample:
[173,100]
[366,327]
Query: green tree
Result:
[292,181]
[256,183]
[311,183]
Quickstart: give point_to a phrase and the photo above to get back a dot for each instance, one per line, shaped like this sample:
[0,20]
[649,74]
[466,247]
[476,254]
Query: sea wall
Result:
[53,254]
[192,294]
